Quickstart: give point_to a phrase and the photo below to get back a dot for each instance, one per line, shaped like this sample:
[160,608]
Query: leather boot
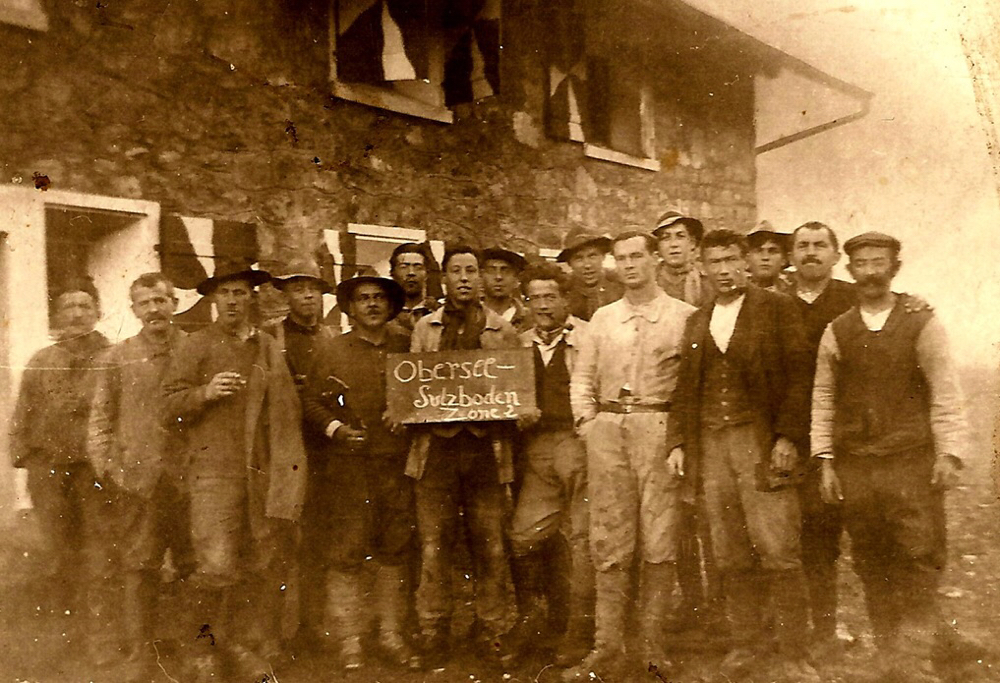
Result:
[789,596]
[579,636]
[526,571]
[345,610]
[821,581]
[612,600]
[139,601]
[744,598]
[656,586]
[390,601]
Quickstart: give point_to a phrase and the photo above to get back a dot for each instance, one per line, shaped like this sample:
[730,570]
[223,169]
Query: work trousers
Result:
[147,527]
[635,504]
[822,527]
[460,483]
[896,522]
[368,515]
[747,526]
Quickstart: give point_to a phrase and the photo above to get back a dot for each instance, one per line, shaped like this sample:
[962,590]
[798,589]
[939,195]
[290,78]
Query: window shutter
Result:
[567,101]
[472,63]
[382,40]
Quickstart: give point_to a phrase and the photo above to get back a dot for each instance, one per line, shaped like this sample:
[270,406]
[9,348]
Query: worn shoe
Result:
[352,655]
[795,671]
[248,664]
[737,661]
[601,663]
[396,650]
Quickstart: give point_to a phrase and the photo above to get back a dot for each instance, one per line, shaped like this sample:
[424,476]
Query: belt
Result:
[627,408]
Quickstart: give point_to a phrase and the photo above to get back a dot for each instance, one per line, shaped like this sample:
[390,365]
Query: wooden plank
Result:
[460,386]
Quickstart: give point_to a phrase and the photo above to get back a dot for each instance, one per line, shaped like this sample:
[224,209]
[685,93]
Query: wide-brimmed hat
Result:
[345,292]
[227,270]
[694,226]
[764,231]
[301,268]
[516,261]
[872,239]
[577,238]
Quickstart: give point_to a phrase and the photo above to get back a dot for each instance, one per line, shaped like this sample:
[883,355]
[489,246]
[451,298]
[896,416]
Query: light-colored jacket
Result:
[497,334]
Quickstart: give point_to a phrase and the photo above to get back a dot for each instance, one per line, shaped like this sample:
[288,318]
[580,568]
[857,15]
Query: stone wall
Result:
[219,108]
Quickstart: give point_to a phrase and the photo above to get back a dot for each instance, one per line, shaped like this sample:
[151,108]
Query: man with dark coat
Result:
[49,438]
[229,389]
[501,294]
[409,267]
[677,239]
[741,414]
[365,500]
[590,287]
[462,471]
[129,445]
[300,336]
[888,429]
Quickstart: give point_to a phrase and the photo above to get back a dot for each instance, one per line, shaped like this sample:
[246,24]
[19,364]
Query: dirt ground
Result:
[36,646]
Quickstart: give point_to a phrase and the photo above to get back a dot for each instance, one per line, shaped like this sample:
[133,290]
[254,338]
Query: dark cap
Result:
[397,297]
[500,254]
[580,237]
[872,239]
[694,226]
[227,270]
[301,268]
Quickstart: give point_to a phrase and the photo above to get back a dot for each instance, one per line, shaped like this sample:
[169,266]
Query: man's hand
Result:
[528,419]
[583,426]
[224,384]
[914,304]
[945,473]
[394,427]
[675,463]
[784,455]
[829,485]
[346,434]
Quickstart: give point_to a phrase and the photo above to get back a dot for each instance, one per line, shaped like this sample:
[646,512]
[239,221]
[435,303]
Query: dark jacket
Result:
[49,425]
[769,346]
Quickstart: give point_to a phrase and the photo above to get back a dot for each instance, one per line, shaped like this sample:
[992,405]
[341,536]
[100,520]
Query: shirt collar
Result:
[295,326]
[648,311]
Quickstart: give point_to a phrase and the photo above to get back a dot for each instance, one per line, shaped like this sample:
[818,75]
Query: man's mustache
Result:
[873,280]
[812,259]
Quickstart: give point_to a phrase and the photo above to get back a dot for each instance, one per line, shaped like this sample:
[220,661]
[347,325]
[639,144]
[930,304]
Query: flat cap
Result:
[872,239]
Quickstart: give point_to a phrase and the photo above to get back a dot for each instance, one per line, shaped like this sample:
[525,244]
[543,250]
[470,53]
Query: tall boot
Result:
[138,603]
[391,605]
[527,571]
[557,580]
[744,601]
[789,597]
[688,572]
[579,635]
[612,600]
[346,613]
[821,581]
[656,586]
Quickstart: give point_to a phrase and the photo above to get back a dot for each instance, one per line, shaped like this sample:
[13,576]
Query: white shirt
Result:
[875,321]
[546,351]
[723,321]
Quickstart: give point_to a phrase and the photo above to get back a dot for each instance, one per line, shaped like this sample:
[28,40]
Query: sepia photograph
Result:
[511,341]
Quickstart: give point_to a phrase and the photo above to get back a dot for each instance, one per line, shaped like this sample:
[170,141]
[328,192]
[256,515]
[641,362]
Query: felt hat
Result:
[516,261]
[397,297]
[301,268]
[580,237]
[872,239]
[764,231]
[227,270]
[694,226]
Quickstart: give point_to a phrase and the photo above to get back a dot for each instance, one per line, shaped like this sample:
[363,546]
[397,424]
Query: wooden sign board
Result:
[460,386]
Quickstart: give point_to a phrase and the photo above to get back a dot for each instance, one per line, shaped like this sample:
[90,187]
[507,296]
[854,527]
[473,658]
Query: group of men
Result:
[707,425]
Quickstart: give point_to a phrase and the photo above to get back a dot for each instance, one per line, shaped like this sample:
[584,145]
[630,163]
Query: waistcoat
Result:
[882,398]
[724,397]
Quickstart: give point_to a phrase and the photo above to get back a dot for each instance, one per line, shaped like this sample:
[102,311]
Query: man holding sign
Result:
[367,501]
[461,466]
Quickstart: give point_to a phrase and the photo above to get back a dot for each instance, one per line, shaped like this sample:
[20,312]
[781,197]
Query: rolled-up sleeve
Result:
[948,422]
[824,390]
[583,384]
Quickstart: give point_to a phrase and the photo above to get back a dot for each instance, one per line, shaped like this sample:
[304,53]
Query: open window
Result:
[415,58]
